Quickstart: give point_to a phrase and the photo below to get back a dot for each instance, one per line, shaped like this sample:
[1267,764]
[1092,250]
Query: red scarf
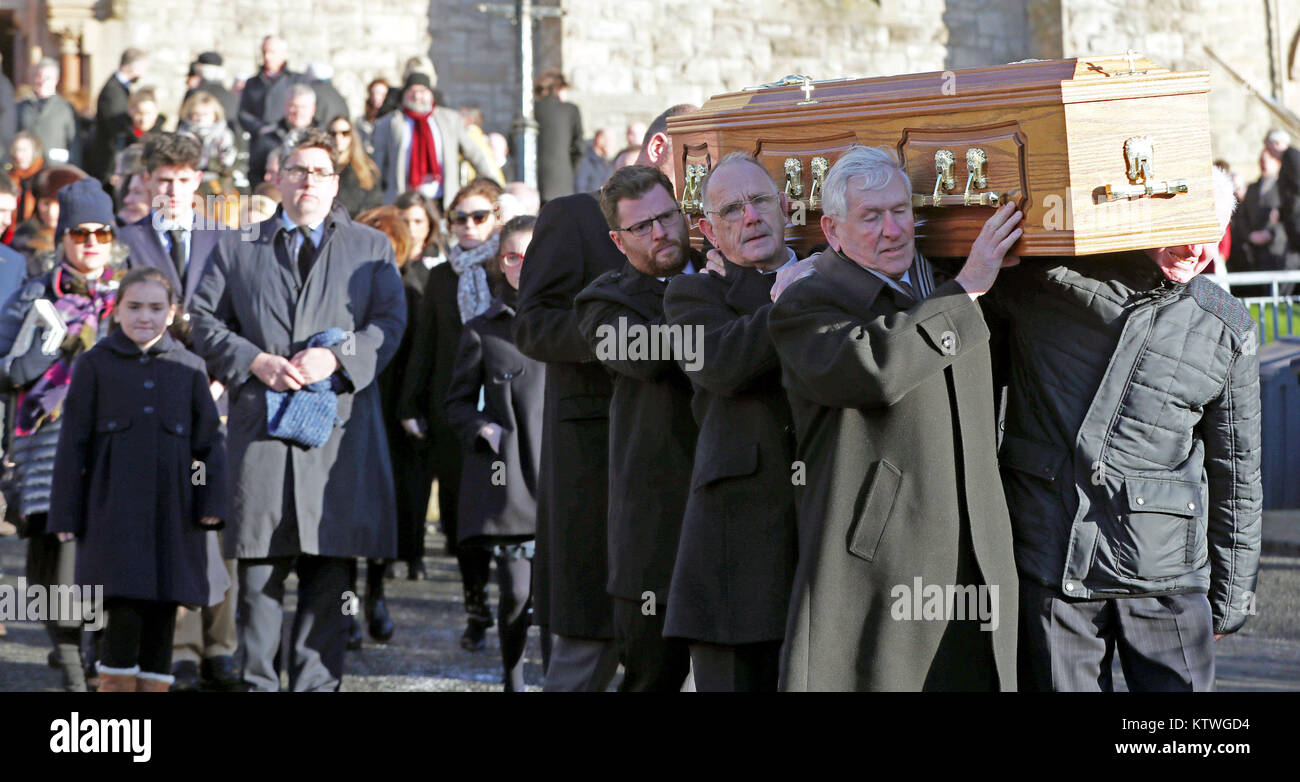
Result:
[424,152]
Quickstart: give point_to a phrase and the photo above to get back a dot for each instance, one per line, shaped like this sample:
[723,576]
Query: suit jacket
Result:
[570,248]
[893,405]
[54,122]
[110,109]
[651,432]
[735,562]
[261,147]
[147,250]
[340,499]
[392,139]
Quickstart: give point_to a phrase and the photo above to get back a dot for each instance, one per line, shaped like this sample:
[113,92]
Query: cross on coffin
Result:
[1132,58]
[808,88]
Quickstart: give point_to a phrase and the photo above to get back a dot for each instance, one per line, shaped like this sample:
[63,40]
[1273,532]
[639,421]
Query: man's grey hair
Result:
[729,159]
[1225,197]
[47,62]
[1278,136]
[877,166]
[301,91]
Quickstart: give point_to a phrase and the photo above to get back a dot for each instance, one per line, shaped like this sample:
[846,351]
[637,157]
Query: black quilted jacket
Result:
[1131,450]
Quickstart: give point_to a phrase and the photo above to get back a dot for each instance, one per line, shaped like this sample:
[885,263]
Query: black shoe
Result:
[221,675]
[354,634]
[415,570]
[187,676]
[381,626]
[475,637]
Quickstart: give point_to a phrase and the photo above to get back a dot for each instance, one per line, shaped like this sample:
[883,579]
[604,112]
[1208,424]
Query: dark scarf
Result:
[424,153]
[83,304]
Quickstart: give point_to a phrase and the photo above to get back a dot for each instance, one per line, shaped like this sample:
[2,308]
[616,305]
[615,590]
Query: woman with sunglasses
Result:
[81,289]
[502,442]
[457,291]
[359,188]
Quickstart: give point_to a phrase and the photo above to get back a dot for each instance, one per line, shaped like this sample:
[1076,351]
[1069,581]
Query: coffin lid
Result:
[1031,82]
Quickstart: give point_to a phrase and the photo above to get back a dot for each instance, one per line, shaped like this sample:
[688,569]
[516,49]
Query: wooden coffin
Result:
[1102,154]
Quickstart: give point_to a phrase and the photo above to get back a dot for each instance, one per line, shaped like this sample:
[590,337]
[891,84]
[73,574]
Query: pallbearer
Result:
[731,583]
[651,431]
[905,578]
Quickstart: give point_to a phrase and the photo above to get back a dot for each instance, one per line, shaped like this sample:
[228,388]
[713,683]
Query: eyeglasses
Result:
[80,235]
[735,209]
[665,219]
[345,132]
[479,217]
[300,174]
[512,259]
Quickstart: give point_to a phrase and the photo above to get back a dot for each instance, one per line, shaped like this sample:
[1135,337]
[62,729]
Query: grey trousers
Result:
[320,628]
[740,668]
[580,664]
[210,631]
[1165,643]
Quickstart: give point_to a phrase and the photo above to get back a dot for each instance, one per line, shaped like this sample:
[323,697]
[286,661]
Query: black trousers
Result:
[1165,644]
[320,628]
[736,668]
[52,563]
[139,632]
[651,663]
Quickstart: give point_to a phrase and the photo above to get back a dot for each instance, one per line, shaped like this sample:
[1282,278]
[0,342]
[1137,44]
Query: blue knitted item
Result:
[307,417]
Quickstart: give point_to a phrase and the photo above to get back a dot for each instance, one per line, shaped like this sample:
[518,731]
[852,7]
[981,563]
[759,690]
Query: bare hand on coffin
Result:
[988,253]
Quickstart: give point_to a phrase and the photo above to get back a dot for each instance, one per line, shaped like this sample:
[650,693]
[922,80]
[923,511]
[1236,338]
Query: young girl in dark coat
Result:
[502,446]
[139,479]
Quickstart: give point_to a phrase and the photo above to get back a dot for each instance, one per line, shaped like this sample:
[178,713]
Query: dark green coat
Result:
[896,428]
[735,562]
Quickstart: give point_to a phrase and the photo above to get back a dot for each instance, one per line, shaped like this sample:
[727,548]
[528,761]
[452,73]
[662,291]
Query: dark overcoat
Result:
[736,559]
[559,146]
[141,458]
[893,405]
[261,104]
[570,248]
[251,300]
[651,435]
[513,387]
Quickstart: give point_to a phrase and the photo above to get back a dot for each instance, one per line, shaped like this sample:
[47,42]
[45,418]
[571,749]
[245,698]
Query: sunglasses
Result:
[512,259]
[102,235]
[479,217]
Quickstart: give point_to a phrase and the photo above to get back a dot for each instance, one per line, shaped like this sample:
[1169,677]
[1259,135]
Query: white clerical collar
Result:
[789,259]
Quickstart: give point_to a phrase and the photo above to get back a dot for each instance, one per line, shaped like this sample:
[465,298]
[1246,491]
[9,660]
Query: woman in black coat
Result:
[139,477]
[502,447]
[80,288]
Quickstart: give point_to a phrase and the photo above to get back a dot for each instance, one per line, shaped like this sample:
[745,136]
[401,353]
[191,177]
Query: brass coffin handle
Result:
[945,179]
[820,166]
[692,203]
[793,178]
[1139,167]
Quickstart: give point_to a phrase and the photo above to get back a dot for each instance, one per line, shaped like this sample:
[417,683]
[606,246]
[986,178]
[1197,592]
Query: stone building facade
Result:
[628,59]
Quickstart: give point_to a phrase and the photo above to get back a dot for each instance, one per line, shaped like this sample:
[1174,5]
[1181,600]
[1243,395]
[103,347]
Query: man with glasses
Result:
[906,579]
[651,430]
[312,299]
[735,562]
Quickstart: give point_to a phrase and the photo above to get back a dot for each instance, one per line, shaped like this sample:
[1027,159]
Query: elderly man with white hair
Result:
[905,577]
[1131,464]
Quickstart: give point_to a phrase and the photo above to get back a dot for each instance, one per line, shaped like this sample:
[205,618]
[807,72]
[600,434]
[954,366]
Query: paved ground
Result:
[425,655]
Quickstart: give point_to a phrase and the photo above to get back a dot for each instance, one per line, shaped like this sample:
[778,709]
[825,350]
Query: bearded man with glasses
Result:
[313,300]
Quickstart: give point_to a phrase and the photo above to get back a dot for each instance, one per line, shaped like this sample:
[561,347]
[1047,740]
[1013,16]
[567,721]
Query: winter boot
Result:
[153,682]
[479,619]
[118,679]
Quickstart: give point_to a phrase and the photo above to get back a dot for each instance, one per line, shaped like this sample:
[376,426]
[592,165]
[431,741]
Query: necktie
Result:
[306,253]
[907,288]
[178,252]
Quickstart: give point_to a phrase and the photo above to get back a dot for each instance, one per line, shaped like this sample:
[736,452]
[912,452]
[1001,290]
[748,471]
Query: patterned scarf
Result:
[472,292]
[83,304]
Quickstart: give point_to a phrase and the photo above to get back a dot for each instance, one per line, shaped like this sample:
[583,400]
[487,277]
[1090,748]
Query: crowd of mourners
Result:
[252,345]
